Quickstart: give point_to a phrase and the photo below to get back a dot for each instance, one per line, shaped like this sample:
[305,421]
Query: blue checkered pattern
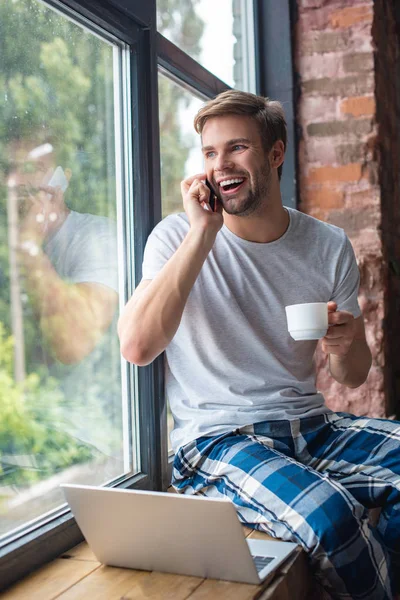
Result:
[311,481]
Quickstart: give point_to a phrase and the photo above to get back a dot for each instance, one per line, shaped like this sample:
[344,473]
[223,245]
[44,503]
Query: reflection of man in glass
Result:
[68,268]
[67,259]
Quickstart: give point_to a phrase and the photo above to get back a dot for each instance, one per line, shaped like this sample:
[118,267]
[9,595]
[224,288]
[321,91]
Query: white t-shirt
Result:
[84,250]
[232,361]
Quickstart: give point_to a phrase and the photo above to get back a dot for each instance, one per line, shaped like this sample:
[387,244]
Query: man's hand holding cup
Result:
[341,332]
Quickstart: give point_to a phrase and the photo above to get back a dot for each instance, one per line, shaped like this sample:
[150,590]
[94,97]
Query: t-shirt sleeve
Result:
[347,281]
[161,244]
[95,256]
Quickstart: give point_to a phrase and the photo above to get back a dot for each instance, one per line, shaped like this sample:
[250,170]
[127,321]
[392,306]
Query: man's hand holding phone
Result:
[196,192]
[213,200]
[43,209]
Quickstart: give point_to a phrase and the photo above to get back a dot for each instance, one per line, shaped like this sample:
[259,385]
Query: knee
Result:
[336,519]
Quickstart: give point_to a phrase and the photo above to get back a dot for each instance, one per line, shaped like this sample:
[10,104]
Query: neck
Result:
[267,224]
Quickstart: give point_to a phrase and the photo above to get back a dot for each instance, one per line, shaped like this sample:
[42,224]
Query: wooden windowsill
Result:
[78,575]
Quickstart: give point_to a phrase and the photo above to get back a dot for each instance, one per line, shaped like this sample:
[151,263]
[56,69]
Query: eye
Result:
[210,154]
[29,168]
[238,147]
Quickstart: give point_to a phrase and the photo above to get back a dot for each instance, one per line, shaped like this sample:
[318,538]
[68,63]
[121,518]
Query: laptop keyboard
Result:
[262,561]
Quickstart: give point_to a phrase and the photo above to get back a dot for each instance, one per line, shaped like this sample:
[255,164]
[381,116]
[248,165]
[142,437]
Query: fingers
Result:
[54,192]
[338,349]
[53,197]
[339,317]
[340,334]
[186,183]
[196,203]
[334,333]
[206,206]
[197,190]
[332,306]
[40,196]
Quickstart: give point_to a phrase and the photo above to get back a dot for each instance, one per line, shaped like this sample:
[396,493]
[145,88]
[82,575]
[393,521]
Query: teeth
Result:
[230,181]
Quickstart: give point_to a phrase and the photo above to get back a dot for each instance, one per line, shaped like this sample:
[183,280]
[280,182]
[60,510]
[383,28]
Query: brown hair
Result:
[267,113]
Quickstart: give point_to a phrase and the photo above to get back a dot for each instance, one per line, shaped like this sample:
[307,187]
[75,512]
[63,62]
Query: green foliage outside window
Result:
[30,447]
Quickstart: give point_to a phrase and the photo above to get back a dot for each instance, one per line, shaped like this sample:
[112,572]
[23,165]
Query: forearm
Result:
[151,318]
[69,319]
[351,369]
[75,328]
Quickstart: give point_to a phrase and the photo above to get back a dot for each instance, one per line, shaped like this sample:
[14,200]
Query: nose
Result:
[222,162]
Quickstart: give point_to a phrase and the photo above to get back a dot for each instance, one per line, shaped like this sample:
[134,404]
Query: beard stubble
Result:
[257,194]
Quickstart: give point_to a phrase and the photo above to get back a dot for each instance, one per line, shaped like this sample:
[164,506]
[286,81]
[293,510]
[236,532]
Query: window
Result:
[62,416]
[180,151]
[91,158]
[217,34]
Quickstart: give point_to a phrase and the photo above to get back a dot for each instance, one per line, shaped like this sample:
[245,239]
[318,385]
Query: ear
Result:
[277,154]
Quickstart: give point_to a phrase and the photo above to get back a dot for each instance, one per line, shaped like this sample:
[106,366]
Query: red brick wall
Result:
[338,167]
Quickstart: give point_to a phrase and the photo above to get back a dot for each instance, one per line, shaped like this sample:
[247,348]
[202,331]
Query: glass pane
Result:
[60,370]
[216,33]
[180,148]
[180,145]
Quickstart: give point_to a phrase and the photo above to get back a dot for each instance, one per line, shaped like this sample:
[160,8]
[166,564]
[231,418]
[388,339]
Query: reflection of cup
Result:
[307,321]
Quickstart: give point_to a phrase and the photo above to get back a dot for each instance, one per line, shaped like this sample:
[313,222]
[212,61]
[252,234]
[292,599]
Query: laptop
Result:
[174,533]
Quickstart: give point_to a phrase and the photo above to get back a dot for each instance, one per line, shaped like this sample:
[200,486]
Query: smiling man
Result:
[249,423]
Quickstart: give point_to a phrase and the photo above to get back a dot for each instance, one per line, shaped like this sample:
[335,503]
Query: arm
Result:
[152,316]
[349,355]
[73,317]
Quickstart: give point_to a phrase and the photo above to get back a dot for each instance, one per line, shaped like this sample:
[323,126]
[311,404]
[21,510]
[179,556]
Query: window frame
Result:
[275,77]
[134,23]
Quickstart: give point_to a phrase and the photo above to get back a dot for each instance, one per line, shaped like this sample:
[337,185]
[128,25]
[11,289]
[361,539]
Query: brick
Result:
[338,41]
[355,221]
[331,128]
[350,16]
[344,173]
[325,199]
[311,66]
[350,153]
[345,86]
[317,19]
[358,61]
[310,3]
[365,199]
[314,108]
[369,245]
[318,151]
[305,5]
[322,42]
[358,106]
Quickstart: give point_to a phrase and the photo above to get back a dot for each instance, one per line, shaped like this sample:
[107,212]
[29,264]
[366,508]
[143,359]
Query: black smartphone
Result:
[213,198]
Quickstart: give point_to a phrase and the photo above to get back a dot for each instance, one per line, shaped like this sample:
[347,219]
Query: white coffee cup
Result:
[307,321]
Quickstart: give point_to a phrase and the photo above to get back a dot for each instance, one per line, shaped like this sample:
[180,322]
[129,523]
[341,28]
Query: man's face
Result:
[236,163]
[30,171]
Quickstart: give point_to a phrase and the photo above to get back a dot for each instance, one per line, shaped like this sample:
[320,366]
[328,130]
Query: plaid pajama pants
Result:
[311,481]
